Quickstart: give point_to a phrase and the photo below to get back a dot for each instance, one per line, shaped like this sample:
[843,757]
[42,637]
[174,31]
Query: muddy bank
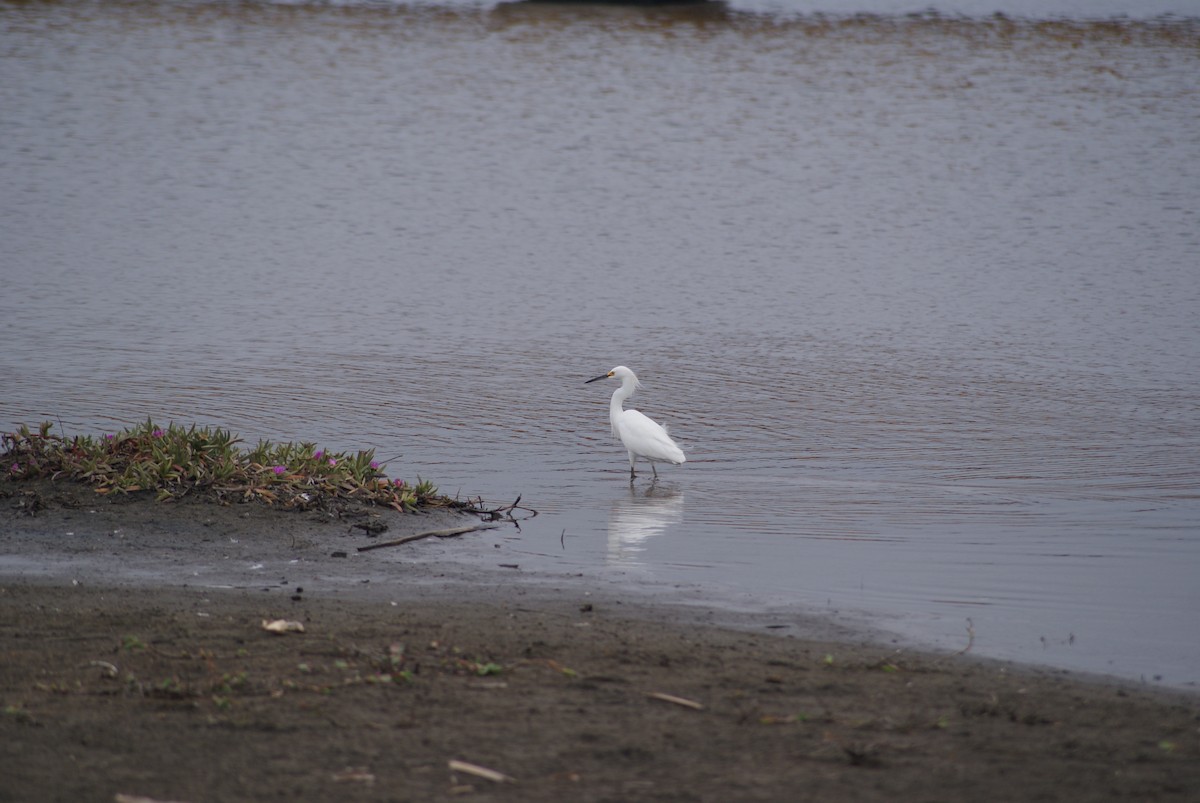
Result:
[176,691]
[66,530]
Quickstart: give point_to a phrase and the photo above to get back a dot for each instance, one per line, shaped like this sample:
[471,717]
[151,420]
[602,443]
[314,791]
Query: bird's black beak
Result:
[598,378]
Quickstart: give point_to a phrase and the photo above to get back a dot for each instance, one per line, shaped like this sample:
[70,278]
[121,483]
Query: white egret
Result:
[641,436]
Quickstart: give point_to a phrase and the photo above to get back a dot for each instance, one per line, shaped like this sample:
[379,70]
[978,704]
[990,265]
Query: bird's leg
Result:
[632,460]
[652,468]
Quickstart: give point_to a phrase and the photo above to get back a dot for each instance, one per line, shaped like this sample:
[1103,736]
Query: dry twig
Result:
[428,534]
[503,512]
[970,637]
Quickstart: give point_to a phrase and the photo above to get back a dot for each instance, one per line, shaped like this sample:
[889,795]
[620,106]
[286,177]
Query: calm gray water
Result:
[917,296]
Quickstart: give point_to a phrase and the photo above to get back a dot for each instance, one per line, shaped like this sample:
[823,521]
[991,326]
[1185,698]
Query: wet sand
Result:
[115,684]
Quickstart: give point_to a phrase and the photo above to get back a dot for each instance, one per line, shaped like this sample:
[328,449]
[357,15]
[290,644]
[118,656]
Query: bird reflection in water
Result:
[635,518]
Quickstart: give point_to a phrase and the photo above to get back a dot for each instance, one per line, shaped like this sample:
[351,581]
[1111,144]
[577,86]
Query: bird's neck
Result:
[615,406]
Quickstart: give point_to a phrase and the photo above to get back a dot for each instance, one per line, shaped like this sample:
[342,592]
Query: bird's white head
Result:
[625,375]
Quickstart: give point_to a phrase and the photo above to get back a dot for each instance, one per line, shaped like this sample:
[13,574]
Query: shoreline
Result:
[172,689]
[131,540]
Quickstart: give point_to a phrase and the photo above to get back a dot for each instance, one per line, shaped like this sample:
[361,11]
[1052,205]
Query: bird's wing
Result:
[647,439]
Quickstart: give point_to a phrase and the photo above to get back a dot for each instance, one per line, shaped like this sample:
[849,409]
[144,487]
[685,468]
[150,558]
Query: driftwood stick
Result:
[428,534]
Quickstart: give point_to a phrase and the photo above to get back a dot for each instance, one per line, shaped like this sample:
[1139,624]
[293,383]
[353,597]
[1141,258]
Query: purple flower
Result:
[398,483]
[319,455]
[332,462]
[374,465]
[16,467]
[108,437]
[158,433]
[280,469]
